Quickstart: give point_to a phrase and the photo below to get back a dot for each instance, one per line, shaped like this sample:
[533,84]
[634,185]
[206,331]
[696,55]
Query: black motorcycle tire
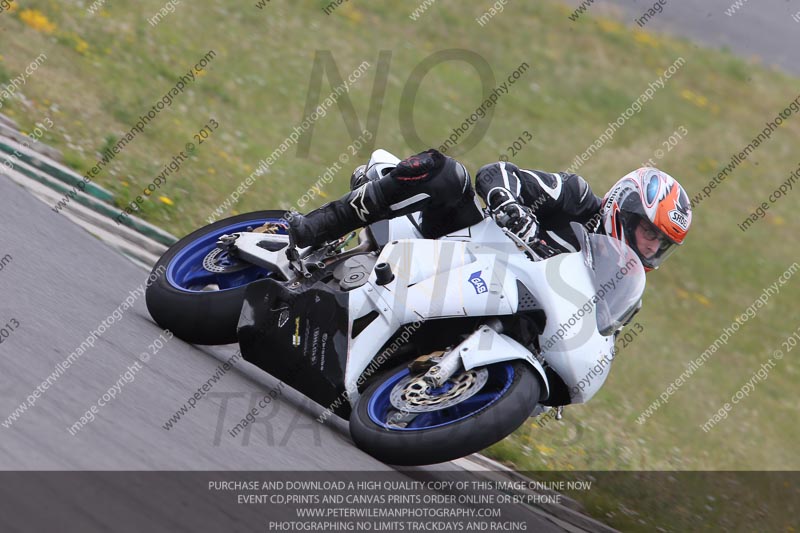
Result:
[458,439]
[199,317]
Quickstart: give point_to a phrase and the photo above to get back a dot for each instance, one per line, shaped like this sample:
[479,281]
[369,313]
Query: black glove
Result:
[518,219]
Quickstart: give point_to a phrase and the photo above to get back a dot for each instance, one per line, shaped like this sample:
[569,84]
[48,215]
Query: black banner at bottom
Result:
[412,500]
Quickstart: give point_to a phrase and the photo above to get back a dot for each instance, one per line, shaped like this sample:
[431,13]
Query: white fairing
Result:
[475,272]
[573,351]
[486,347]
[380,164]
[433,279]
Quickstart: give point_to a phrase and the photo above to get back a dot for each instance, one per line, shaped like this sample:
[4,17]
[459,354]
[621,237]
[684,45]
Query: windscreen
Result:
[618,277]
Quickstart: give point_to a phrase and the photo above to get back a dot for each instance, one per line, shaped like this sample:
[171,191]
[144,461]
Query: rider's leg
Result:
[454,209]
[429,181]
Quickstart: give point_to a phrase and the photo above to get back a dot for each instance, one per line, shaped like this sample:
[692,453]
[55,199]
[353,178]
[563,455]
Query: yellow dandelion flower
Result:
[81,46]
[125,184]
[702,299]
[778,221]
[610,26]
[644,37]
[545,450]
[693,97]
[211,170]
[682,294]
[352,13]
[165,200]
[37,20]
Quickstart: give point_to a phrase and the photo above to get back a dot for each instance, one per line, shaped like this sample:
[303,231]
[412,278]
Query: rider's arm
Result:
[550,196]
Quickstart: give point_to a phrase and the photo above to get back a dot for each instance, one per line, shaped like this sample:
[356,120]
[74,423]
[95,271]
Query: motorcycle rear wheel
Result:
[199,305]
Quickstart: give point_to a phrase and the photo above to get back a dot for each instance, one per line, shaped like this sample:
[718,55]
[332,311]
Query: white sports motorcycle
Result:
[433,349]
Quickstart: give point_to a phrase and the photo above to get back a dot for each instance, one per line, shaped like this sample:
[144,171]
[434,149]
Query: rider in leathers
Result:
[646,208]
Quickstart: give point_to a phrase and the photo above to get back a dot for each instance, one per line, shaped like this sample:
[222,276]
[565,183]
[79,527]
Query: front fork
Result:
[486,346]
[450,362]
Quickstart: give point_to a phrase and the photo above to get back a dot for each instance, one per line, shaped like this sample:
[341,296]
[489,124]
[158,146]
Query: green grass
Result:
[583,76]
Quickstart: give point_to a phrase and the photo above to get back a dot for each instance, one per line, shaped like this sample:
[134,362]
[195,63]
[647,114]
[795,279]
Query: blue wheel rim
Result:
[185,271]
[380,408]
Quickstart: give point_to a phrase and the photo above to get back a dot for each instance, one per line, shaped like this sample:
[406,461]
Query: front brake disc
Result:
[414,395]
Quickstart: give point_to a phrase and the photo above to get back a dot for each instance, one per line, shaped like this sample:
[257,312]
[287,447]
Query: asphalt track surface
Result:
[760,28]
[60,285]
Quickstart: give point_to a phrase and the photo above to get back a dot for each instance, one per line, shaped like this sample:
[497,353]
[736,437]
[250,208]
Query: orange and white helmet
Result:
[655,200]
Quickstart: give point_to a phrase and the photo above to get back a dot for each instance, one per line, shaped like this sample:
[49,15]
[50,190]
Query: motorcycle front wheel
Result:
[200,292]
[401,422]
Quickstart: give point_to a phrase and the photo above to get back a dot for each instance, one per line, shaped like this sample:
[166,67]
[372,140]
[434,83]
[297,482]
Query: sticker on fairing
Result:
[478,283]
[296,336]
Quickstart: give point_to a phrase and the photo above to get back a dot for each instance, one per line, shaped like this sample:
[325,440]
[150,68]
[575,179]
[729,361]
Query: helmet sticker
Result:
[680,219]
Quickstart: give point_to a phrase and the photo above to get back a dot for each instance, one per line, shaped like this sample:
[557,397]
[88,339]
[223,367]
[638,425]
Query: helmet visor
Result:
[666,249]
[649,242]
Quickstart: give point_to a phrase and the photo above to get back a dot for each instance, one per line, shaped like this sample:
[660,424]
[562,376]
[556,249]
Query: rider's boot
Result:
[394,194]
[355,209]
